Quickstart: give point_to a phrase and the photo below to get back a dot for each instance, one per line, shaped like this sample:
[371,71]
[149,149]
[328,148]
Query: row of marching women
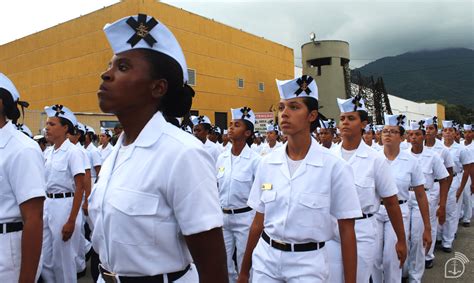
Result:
[317,201]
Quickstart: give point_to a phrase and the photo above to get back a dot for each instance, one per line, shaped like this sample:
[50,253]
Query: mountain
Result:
[446,74]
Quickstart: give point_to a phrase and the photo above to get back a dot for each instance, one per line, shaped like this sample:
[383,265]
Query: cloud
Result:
[374,29]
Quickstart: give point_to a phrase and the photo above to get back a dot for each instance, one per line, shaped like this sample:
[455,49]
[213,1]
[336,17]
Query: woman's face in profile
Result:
[126,84]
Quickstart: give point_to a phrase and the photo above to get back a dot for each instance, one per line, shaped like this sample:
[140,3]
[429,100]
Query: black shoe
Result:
[438,243]
[466,224]
[429,264]
[447,250]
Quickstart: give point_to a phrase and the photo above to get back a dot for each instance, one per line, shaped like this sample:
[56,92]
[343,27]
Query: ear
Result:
[363,124]
[247,134]
[313,115]
[159,88]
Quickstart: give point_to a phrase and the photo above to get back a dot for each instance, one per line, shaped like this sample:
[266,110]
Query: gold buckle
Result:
[109,277]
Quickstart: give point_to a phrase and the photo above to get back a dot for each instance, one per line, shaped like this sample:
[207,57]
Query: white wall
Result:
[413,110]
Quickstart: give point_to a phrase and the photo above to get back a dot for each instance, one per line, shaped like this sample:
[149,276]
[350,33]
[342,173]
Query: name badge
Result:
[266,187]
[221,169]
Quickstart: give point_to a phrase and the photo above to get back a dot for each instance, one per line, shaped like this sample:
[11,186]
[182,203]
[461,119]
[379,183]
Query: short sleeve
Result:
[448,159]
[76,162]
[193,193]
[33,185]
[255,192]
[465,156]
[384,181]
[96,158]
[344,199]
[439,170]
[417,176]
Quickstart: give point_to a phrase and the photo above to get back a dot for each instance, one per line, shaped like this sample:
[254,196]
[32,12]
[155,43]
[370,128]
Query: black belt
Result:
[436,180]
[399,202]
[60,195]
[236,211]
[364,216]
[11,227]
[287,247]
[110,277]
[412,189]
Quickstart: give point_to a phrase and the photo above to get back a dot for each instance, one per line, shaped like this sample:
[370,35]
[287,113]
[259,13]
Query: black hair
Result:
[207,127]
[65,122]
[10,108]
[312,104]
[179,97]
[402,130]
[249,126]
[91,136]
[364,116]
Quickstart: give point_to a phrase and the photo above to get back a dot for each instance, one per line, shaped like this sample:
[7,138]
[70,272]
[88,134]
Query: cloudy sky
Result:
[374,29]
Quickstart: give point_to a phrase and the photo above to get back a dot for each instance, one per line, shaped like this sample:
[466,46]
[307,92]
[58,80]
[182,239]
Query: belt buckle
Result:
[109,277]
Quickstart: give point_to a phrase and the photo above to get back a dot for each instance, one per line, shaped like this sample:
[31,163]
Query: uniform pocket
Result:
[132,216]
[268,196]
[314,208]
[366,191]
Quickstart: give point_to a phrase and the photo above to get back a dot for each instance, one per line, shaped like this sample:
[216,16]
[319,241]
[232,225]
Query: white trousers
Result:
[270,265]
[59,257]
[450,227]
[434,204]
[415,264]
[191,276]
[236,231]
[466,212]
[366,234]
[386,263]
[10,257]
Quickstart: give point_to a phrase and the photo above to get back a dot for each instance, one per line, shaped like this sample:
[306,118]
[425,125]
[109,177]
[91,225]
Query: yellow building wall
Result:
[441,111]
[62,64]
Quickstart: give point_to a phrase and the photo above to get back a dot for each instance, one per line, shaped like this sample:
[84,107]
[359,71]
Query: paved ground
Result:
[464,244]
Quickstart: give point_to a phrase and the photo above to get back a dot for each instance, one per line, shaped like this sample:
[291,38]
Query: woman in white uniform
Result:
[409,180]
[65,191]
[462,159]
[154,209]
[201,129]
[433,169]
[294,217]
[236,170]
[374,183]
[272,140]
[22,190]
[105,147]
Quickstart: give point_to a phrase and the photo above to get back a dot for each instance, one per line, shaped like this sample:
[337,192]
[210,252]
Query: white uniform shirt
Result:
[213,150]
[432,167]
[94,158]
[235,177]
[404,145]
[257,147]
[373,177]
[21,172]
[86,159]
[301,208]
[226,147]
[407,172]
[61,166]
[443,152]
[266,149]
[376,146]
[460,155]
[163,187]
[105,152]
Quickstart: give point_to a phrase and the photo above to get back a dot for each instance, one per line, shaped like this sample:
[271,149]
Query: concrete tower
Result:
[327,62]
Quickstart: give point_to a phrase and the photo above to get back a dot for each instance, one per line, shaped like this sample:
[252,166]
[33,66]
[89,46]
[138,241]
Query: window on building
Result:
[261,86]
[191,77]
[220,119]
[240,83]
